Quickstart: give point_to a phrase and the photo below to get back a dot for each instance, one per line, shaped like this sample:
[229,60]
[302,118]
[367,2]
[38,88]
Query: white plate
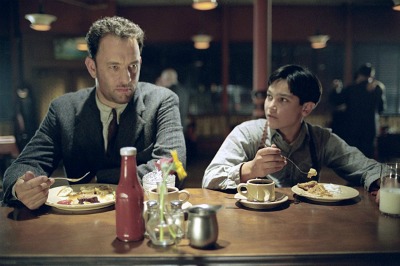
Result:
[339,193]
[53,199]
[281,198]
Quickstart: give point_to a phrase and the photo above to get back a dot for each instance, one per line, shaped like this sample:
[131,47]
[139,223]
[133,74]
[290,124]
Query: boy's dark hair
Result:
[302,82]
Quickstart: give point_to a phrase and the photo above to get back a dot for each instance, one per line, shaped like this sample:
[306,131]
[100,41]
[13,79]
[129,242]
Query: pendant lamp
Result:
[204,4]
[201,41]
[40,21]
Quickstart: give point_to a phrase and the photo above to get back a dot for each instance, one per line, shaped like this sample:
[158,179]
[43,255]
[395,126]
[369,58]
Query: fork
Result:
[264,146]
[298,168]
[72,179]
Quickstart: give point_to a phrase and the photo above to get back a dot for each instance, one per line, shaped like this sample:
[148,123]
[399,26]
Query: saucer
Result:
[281,198]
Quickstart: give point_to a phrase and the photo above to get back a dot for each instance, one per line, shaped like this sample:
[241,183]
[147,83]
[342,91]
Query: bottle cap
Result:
[152,204]
[176,204]
[127,151]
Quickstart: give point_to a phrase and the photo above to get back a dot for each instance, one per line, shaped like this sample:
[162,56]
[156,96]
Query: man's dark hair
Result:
[118,26]
[366,70]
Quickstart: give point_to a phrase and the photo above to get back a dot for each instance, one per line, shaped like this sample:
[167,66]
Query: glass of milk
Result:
[389,202]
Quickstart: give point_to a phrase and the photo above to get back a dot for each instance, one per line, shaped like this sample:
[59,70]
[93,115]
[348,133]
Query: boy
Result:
[259,148]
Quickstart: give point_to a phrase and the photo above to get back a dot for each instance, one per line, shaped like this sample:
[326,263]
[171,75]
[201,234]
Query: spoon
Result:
[72,179]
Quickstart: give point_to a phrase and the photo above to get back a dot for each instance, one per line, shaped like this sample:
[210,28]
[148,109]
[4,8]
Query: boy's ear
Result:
[307,108]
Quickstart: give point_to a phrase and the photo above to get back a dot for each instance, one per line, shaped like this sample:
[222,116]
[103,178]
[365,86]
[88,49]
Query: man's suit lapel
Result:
[132,123]
[88,129]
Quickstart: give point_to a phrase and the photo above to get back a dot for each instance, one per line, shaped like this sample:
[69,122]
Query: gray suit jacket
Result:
[71,133]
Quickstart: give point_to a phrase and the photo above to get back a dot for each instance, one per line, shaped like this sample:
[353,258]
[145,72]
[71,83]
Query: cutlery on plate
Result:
[72,179]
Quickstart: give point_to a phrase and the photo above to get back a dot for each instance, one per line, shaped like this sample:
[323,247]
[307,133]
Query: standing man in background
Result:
[363,102]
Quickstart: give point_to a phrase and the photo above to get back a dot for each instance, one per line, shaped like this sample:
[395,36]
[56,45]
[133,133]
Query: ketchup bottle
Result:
[129,199]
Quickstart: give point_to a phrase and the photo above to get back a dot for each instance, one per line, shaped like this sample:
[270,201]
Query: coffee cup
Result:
[172,194]
[259,190]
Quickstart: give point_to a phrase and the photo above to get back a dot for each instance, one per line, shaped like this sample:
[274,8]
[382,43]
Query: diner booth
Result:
[245,40]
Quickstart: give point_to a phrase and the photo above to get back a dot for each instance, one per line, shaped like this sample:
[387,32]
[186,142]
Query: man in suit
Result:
[75,129]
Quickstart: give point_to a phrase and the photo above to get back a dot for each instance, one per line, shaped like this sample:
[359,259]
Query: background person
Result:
[75,128]
[363,102]
[169,79]
[258,148]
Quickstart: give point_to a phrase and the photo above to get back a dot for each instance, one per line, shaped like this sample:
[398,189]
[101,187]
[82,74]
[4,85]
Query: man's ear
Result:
[307,108]
[91,66]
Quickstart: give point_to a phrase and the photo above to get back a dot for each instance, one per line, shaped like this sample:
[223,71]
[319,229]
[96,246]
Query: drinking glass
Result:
[389,201]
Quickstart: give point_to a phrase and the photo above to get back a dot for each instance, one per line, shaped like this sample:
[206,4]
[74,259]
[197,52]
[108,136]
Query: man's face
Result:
[282,108]
[116,69]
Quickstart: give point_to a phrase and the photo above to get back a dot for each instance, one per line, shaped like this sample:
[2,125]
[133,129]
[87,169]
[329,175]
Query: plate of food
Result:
[324,192]
[279,199]
[82,197]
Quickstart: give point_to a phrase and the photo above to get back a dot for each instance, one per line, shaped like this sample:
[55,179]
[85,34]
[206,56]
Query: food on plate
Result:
[103,190]
[312,173]
[87,189]
[313,187]
[88,200]
[307,185]
[89,194]
[65,191]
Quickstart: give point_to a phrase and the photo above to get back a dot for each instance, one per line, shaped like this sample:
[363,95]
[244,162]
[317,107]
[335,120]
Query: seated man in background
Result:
[259,148]
[75,129]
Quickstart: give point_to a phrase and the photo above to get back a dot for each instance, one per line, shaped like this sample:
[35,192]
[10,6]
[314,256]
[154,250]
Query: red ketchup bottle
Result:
[129,199]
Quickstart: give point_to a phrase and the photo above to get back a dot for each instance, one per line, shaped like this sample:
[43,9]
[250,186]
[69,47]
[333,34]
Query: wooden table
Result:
[352,232]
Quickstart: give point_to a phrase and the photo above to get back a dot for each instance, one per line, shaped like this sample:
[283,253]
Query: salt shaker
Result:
[152,209]
[178,218]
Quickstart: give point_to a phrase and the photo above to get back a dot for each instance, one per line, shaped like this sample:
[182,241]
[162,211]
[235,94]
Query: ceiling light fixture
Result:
[40,21]
[201,41]
[396,5]
[204,4]
[318,41]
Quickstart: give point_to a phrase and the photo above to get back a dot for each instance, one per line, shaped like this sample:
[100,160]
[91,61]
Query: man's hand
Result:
[33,191]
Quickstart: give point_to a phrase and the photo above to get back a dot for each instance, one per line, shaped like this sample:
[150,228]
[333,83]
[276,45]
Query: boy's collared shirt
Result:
[242,144]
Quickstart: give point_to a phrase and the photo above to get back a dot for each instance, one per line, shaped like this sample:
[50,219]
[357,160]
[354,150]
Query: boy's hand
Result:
[267,161]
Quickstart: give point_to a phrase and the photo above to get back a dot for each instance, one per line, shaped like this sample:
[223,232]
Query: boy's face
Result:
[282,109]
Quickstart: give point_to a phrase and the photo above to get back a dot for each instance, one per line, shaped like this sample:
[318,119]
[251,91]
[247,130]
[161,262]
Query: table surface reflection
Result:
[296,232]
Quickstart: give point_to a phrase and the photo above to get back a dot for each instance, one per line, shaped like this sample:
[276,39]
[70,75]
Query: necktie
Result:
[112,131]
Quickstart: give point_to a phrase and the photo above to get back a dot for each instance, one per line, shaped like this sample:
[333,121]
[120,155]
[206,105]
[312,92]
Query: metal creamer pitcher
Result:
[202,228]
